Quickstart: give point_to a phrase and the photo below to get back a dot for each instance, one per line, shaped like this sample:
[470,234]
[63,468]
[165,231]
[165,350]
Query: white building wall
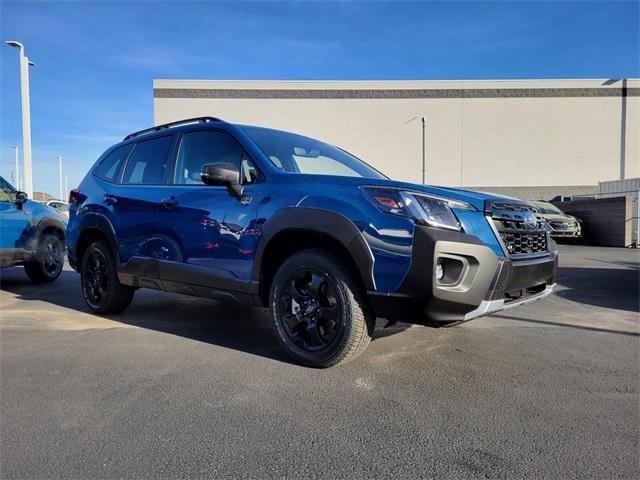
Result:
[500,134]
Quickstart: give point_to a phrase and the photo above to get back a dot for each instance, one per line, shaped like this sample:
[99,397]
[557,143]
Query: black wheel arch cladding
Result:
[324,222]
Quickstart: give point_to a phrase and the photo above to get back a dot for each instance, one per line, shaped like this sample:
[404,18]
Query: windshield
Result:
[7,192]
[297,154]
[63,207]
[546,207]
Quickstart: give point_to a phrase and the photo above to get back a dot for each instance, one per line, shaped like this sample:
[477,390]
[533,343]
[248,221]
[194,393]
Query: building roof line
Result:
[394,93]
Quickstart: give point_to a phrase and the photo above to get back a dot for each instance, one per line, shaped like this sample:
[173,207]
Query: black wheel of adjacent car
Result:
[319,310]
[47,261]
[100,286]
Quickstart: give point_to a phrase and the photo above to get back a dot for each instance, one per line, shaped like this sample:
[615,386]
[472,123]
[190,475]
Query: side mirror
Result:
[21,197]
[226,174]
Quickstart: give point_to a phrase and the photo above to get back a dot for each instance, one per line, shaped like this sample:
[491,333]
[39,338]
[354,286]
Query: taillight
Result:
[73,195]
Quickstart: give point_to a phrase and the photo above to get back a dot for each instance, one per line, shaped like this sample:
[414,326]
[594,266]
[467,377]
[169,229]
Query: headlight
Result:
[423,208]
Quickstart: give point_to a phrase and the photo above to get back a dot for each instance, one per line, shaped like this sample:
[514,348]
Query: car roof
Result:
[191,124]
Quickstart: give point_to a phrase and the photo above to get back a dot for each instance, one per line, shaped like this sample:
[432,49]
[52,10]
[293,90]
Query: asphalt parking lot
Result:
[186,387]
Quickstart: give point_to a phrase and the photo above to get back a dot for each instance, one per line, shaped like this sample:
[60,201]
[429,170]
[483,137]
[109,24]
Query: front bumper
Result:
[476,282]
[487,307]
[576,233]
[557,230]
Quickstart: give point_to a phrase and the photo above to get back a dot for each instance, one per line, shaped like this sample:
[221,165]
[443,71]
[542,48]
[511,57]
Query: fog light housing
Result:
[439,271]
[449,270]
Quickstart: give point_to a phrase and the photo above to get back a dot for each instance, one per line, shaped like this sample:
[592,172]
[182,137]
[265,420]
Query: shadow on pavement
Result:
[225,324]
[615,288]
[569,325]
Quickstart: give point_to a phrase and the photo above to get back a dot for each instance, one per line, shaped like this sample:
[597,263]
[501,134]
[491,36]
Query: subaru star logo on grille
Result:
[529,220]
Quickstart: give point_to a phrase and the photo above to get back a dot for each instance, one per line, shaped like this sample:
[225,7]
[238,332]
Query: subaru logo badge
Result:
[530,221]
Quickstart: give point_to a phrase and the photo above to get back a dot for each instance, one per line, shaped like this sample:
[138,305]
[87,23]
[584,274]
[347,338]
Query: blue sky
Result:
[96,60]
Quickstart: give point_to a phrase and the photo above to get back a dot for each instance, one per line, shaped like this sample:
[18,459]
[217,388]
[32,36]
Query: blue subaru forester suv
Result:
[269,218]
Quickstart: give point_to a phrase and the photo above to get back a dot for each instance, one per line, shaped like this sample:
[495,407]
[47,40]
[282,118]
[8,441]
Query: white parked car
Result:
[61,207]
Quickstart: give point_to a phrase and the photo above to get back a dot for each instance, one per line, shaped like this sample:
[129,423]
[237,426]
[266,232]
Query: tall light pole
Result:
[61,197]
[424,145]
[424,149]
[17,179]
[26,116]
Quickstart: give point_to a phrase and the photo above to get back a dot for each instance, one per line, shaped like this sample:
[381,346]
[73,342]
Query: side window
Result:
[199,148]
[148,162]
[109,167]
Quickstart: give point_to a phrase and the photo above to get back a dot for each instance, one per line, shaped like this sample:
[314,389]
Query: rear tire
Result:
[101,289]
[47,261]
[318,309]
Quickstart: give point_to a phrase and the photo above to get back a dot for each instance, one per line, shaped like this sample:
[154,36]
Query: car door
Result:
[135,201]
[210,235]
[13,220]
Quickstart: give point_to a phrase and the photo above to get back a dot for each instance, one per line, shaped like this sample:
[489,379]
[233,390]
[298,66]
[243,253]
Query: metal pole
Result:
[26,118]
[60,176]
[623,131]
[424,149]
[17,179]
[26,123]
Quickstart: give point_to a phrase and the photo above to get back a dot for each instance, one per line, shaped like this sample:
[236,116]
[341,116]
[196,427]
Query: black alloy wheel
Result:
[101,289]
[319,309]
[95,281]
[48,260]
[310,309]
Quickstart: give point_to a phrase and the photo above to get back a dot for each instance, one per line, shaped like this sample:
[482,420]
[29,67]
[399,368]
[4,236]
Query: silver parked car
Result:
[560,223]
[61,207]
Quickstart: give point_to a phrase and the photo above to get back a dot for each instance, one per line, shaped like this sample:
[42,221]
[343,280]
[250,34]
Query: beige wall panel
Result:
[518,140]
[541,141]
[632,139]
[374,130]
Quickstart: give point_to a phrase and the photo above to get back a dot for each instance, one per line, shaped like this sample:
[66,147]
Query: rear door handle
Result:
[169,202]
[110,199]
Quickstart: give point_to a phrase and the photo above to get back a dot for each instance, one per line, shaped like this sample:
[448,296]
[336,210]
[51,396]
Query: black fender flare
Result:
[98,221]
[49,222]
[324,222]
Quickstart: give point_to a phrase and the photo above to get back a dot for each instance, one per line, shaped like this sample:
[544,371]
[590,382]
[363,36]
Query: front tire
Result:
[101,289]
[318,309]
[47,261]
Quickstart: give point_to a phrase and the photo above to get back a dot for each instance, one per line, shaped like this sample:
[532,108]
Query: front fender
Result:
[50,222]
[324,222]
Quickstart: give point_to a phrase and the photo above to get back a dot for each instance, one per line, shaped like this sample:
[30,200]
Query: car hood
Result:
[557,217]
[40,209]
[475,198]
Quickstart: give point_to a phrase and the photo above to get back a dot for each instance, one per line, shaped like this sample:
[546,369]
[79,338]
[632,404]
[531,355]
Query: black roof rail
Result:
[173,124]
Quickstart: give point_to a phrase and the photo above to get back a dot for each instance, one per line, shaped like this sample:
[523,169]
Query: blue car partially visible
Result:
[31,234]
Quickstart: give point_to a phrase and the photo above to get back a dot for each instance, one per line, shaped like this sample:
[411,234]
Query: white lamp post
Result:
[424,145]
[424,149]
[26,116]
[17,179]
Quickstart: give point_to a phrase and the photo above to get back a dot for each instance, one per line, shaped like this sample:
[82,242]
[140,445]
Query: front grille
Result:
[562,225]
[521,228]
[525,243]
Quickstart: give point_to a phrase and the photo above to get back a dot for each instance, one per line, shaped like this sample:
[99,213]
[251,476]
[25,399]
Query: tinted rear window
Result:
[148,162]
[110,165]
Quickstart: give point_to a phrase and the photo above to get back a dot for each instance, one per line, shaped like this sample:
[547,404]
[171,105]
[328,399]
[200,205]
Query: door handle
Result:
[110,199]
[169,202]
